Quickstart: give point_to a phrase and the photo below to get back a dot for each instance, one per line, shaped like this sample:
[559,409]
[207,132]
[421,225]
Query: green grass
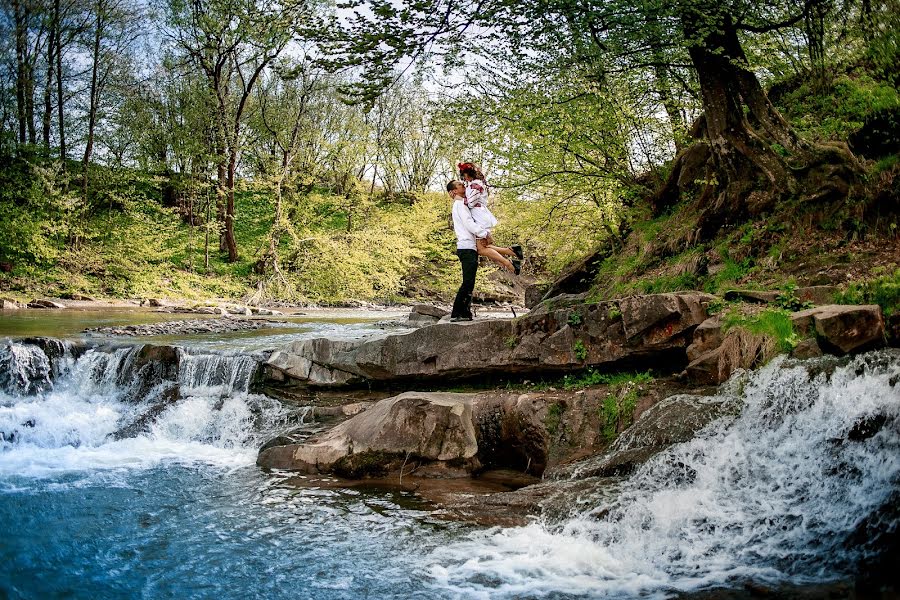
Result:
[591,377]
[554,417]
[773,323]
[883,291]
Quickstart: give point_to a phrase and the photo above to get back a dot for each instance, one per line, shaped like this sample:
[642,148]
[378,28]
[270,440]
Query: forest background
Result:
[296,151]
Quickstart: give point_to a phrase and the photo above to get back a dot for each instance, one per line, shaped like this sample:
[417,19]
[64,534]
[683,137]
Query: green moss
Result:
[554,417]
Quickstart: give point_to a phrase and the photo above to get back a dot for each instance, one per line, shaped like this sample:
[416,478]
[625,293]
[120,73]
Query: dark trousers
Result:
[462,305]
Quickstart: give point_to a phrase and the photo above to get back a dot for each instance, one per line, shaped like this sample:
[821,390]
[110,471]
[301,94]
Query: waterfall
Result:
[131,405]
[227,372]
[778,492]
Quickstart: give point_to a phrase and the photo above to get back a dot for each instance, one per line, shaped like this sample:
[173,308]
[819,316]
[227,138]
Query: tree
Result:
[232,42]
[113,30]
[756,156]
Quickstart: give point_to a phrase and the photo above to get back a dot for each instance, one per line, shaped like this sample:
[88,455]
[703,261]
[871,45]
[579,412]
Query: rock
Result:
[429,310]
[707,336]
[268,312]
[807,348]
[641,330]
[78,297]
[751,296]
[817,294]
[740,349]
[879,135]
[578,276]
[512,432]
[842,329]
[413,428]
[534,293]
[44,303]
[8,304]
[187,326]
[671,421]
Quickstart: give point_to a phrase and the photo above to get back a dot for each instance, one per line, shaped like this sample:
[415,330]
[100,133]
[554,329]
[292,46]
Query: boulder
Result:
[842,329]
[434,429]
[554,338]
[534,293]
[44,303]
[8,304]
[808,348]
[740,349]
[751,296]
[707,336]
[817,294]
[429,310]
[671,421]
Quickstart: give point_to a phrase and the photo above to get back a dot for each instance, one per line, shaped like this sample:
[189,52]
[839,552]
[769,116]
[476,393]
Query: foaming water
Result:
[113,408]
[769,495]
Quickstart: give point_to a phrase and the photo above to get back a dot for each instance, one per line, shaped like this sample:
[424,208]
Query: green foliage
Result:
[789,300]
[580,350]
[617,410]
[511,342]
[841,110]
[554,417]
[614,313]
[883,291]
[730,274]
[774,323]
[592,377]
[574,319]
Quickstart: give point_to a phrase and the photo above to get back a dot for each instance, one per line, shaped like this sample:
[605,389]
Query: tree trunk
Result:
[60,97]
[92,109]
[48,87]
[230,243]
[221,194]
[744,159]
[20,16]
[757,156]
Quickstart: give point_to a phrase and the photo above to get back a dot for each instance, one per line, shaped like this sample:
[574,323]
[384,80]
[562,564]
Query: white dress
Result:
[477,201]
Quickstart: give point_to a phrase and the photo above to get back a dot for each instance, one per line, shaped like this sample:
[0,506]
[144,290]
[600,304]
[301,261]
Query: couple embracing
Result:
[472,222]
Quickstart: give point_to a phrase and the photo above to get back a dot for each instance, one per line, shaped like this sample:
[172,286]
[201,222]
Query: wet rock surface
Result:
[560,336]
[188,326]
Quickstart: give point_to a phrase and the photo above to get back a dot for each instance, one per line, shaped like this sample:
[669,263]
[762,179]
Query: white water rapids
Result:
[769,495]
[67,422]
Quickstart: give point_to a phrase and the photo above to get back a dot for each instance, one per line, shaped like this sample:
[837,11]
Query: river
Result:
[175,507]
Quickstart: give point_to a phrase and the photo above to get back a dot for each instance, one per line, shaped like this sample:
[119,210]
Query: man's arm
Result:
[465,217]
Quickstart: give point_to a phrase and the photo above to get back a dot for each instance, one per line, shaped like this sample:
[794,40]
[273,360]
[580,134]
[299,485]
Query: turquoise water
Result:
[177,508]
[199,531]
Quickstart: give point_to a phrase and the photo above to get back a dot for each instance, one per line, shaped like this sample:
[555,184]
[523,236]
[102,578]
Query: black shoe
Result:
[517,265]
[518,250]
[458,319]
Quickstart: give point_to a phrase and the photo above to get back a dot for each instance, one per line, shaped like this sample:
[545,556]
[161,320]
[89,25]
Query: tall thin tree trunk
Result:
[20,16]
[48,87]
[60,98]
[230,243]
[92,110]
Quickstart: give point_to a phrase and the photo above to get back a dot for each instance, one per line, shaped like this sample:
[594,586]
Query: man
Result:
[467,230]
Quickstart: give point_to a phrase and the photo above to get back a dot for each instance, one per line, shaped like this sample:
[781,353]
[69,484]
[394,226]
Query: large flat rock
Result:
[559,336]
[419,427]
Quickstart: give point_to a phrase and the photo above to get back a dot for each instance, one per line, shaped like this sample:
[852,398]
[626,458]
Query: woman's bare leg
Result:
[503,251]
[492,253]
